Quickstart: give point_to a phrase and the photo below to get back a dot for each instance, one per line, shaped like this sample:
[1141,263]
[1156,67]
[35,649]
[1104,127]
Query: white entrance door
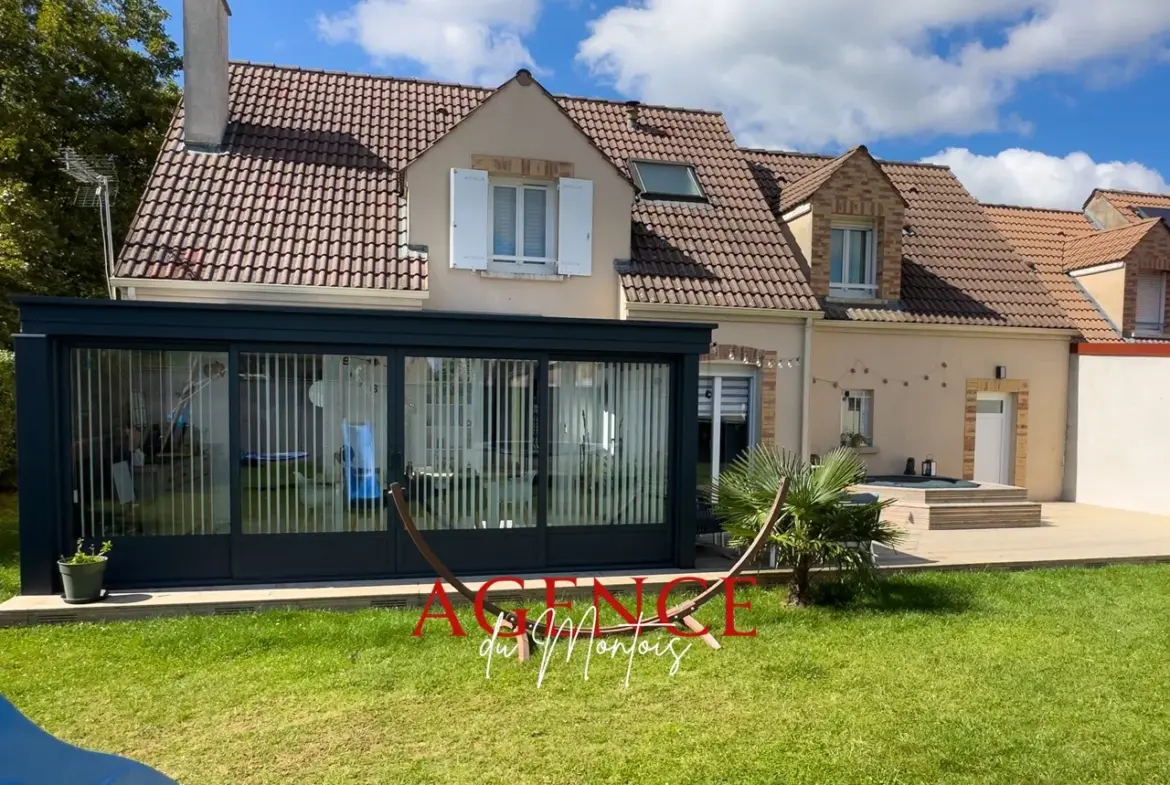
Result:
[993,438]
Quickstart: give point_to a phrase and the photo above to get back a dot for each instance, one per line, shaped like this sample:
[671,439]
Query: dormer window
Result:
[667,181]
[852,271]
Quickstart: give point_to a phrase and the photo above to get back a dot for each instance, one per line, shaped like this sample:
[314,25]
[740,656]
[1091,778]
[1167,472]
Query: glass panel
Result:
[858,250]
[535,217]
[150,443]
[836,256]
[668,179]
[470,442]
[703,474]
[312,443]
[734,431]
[988,406]
[609,443]
[503,220]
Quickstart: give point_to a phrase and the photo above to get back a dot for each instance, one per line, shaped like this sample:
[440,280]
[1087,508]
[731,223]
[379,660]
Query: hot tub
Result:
[915,481]
[949,503]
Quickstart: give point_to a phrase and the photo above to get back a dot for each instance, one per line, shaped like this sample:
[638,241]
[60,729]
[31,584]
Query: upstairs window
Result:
[1151,303]
[667,182]
[530,227]
[521,223]
[852,270]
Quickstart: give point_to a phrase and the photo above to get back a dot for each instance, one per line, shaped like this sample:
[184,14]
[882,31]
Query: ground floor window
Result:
[857,418]
[726,422]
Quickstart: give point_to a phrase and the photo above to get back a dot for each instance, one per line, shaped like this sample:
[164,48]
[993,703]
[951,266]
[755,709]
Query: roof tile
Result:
[1041,236]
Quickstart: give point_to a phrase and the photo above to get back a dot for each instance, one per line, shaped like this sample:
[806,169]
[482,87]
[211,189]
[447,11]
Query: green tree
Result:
[820,524]
[94,75]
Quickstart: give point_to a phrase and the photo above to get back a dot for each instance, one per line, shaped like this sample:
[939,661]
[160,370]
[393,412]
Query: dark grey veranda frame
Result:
[51,327]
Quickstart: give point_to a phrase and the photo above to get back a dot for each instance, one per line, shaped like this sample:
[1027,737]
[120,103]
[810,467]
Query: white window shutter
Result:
[575,227]
[469,219]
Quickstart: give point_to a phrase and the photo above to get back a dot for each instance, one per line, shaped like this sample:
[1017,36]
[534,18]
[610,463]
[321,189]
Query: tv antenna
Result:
[98,180]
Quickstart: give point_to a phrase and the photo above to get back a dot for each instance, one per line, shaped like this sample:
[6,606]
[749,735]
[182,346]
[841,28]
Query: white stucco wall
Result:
[1119,432]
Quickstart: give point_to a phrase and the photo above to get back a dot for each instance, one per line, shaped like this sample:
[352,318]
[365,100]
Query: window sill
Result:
[1150,334]
[517,276]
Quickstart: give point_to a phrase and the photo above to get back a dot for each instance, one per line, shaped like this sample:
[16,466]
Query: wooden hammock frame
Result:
[681,614]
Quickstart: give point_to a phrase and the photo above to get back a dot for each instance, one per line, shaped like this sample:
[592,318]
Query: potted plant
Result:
[83,574]
[854,440]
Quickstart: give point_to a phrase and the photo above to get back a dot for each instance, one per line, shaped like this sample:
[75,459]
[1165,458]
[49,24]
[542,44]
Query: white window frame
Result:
[520,262]
[1149,327]
[868,290]
[866,399]
[717,376]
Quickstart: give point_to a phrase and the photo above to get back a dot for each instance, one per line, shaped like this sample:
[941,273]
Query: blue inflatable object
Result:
[361,481]
[30,756]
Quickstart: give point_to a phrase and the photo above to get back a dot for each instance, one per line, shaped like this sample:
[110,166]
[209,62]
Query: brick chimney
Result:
[205,74]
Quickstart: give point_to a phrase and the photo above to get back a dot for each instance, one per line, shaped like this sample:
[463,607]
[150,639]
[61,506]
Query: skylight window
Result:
[1155,212]
[664,181]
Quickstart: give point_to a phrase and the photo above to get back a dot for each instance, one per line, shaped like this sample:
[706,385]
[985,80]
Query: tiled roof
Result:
[1041,236]
[803,187]
[1111,245]
[1127,202]
[309,193]
[956,269]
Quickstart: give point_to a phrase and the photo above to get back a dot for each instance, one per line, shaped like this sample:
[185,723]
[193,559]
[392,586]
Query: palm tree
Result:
[819,526]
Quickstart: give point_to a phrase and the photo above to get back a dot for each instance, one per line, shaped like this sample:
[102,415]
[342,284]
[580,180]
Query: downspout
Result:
[806,388]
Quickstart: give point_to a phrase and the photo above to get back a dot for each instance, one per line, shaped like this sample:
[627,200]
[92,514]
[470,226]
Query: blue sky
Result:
[1030,101]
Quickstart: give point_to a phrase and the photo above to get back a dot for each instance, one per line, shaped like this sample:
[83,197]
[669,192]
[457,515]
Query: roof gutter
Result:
[133,286]
[954,330]
[719,312]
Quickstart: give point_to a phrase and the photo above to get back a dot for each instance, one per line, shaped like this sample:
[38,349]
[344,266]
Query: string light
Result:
[747,356]
[860,368]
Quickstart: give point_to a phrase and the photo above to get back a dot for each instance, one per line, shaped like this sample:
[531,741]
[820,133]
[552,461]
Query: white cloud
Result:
[824,72]
[1028,177]
[477,41]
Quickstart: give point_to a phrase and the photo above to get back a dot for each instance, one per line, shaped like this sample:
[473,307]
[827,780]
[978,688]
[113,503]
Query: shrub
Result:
[821,526]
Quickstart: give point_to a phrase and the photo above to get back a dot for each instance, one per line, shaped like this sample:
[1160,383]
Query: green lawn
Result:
[1037,677]
[9,570]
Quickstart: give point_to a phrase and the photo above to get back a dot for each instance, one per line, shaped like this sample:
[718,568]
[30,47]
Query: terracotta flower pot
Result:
[83,582]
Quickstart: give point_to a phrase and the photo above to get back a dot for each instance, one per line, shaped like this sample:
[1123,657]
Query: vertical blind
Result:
[609,441]
[470,442]
[149,443]
[313,441]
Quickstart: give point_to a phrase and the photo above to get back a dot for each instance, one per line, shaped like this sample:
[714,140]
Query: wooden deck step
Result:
[987,515]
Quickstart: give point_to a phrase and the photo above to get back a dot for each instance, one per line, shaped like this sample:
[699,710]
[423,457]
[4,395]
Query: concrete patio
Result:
[1072,535]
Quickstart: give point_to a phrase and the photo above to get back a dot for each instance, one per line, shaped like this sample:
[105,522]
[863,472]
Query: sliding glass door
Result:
[149,457]
[314,443]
